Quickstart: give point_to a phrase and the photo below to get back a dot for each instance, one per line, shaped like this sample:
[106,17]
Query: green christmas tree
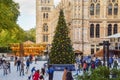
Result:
[61,51]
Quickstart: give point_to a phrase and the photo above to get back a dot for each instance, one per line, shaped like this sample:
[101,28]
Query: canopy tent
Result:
[117,35]
[29,42]
[29,48]
[99,53]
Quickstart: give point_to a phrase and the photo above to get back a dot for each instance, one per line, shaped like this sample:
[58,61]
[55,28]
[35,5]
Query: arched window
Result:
[109,29]
[94,1]
[92,9]
[43,15]
[45,1]
[115,9]
[46,15]
[110,9]
[41,1]
[98,9]
[92,31]
[45,27]
[48,1]
[115,29]
[45,38]
[113,1]
[97,31]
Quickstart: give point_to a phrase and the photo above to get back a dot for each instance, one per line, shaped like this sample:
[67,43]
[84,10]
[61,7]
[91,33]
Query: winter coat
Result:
[84,65]
[110,60]
[36,76]
[69,76]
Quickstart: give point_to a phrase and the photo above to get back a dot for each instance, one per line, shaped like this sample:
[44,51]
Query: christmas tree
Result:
[61,51]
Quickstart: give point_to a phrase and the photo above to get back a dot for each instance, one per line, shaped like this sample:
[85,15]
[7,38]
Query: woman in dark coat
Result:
[69,76]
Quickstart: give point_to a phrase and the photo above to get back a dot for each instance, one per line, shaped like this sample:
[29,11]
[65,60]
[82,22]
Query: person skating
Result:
[22,69]
[50,72]
[9,66]
[5,67]
[65,73]
[18,63]
[43,71]
[69,75]
[36,75]
[27,65]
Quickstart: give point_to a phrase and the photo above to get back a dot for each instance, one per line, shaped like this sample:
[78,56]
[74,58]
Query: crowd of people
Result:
[82,64]
[89,63]
[22,66]
[36,74]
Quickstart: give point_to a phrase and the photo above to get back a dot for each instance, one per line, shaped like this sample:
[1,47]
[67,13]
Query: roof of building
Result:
[117,35]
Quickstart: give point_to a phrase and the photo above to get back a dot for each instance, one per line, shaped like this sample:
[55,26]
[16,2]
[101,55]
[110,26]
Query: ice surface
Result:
[14,75]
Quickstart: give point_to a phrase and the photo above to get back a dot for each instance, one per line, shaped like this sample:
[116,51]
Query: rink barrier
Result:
[60,67]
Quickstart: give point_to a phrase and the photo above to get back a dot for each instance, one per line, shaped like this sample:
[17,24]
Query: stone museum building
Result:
[89,21]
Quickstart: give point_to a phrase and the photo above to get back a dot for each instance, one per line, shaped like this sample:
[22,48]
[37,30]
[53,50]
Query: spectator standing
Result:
[76,68]
[110,62]
[84,66]
[92,65]
[115,64]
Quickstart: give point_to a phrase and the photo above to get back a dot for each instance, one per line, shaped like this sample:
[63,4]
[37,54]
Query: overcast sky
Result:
[27,16]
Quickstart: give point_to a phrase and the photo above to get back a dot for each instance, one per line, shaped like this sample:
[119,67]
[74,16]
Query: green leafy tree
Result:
[100,73]
[10,32]
[61,51]
[30,35]
[7,37]
[8,14]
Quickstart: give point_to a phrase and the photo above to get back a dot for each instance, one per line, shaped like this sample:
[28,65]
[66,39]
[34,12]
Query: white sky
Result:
[27,18]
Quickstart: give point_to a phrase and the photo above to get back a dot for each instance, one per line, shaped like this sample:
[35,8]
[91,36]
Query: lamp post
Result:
[83,26]
[21,49]
[48,49]
[105,45]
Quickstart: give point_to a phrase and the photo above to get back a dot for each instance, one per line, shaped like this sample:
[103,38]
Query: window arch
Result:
[97,30]
[48,1]
[115,9]
[46,15]
[109,29]
[45,38]
[92,31]
[98,9]
[113,1]
[94,1]
[45,27]
[115,29]
[110,9]
[43,15]
[92,9]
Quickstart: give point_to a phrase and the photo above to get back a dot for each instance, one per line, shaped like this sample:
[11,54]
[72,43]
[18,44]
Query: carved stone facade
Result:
[89,21]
